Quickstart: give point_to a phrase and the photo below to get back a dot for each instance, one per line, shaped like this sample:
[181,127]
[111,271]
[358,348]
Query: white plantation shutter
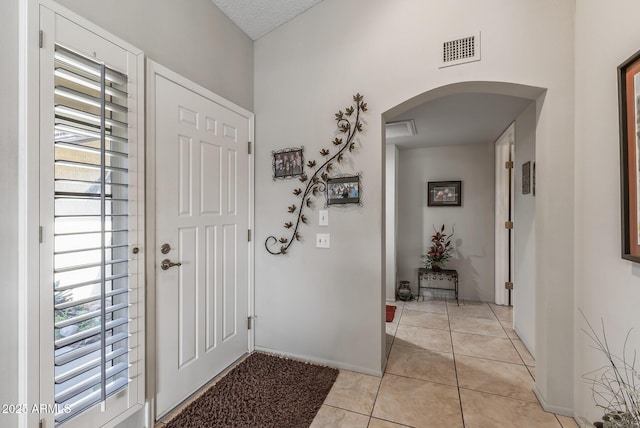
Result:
[91,253]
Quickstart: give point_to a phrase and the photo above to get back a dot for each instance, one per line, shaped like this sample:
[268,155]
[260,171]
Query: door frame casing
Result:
[154,69]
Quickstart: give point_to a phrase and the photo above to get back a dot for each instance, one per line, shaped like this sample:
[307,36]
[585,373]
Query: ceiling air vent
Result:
[404,128]
[460,51]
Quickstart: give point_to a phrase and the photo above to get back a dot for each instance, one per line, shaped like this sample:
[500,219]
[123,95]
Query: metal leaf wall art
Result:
[348,123]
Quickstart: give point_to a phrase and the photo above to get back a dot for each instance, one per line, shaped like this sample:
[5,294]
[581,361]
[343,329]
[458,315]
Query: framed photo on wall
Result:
[629,113]
[288,163]
[526,178]
[344,190]
[444,193]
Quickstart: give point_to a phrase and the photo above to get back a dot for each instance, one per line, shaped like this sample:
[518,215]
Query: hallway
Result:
[448,365]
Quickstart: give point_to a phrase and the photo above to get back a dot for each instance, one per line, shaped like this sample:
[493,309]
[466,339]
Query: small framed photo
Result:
[444,193]
[343,190]
[526,178]
[288,163]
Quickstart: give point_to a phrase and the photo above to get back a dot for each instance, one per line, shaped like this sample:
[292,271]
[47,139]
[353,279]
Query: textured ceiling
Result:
[258,17]
[460,119]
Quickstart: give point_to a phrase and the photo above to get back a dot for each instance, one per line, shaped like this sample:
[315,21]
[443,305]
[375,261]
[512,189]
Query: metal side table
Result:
[429,276]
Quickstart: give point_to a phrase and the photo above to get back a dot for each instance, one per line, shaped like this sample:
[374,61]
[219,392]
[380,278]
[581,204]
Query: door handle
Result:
[166,264]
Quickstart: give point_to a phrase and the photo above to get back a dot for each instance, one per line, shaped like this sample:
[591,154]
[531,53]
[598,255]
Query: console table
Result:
[429,276]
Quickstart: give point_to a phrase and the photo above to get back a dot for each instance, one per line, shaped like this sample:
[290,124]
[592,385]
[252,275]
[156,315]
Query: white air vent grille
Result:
[460,51]
[405,128]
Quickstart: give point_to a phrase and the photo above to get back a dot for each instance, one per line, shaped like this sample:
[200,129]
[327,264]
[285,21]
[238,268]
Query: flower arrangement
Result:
[440,250]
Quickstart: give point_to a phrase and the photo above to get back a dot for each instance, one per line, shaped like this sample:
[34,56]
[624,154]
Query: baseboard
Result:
[564,411]
[321,361]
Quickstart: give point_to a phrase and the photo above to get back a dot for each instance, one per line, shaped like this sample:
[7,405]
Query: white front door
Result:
[201,249]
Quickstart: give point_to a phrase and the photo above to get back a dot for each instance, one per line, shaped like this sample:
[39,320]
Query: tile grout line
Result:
[455,365]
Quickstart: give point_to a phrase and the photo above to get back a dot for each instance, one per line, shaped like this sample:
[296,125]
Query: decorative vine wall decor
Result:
[348,122]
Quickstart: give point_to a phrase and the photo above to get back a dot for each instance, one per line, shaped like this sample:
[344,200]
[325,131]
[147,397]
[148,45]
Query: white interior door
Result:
[504,245]
[202,214]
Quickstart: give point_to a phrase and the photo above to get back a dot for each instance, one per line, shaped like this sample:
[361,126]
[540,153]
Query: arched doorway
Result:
[465,113]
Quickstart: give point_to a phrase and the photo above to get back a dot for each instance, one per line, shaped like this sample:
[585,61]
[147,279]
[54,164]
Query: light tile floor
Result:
[448,366]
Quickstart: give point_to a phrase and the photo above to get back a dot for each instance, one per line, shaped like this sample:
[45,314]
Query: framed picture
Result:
[629,113]
[444,193]
[288,163]
[344,190]
[526,178]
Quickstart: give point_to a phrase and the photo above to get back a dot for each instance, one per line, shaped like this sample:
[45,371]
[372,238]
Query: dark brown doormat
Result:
[263,391]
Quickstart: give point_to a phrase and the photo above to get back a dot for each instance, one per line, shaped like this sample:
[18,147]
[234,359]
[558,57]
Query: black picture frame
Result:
[288,163]
[629,121]
[526,178]
[344,190]
[444,193]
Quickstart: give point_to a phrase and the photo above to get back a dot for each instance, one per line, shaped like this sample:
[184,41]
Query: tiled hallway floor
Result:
[448,366]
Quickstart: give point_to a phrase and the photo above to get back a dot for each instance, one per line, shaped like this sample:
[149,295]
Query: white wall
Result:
[194,39]
[328,304]
[474,254]
[9,206]
[524,275]
[607,287]
[391,220]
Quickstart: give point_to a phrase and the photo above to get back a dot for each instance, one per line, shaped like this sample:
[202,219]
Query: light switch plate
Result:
[322,240]
[323,218]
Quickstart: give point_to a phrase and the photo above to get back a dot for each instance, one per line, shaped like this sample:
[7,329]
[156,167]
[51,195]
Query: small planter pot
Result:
[404,291]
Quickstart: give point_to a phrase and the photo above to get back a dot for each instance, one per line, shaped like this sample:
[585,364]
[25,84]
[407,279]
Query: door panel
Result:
[202,213]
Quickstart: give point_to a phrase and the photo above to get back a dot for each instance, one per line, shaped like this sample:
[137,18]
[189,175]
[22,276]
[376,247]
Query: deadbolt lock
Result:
[165,248]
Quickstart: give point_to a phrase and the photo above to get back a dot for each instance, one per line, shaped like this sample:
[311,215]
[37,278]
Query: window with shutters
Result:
[91,208]
[90,233]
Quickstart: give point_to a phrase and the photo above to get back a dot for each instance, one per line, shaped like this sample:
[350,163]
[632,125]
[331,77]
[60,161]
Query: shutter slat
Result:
[87,349]
[91,183]
[88,265]
[80,148]
[88,66]
[111,293]
[92,381]
[90,315]
[61,343]
[91,399]
[92,364]
[85,283]
[65,127]
[85,118]
[87,100]
[87,83]
[84,250]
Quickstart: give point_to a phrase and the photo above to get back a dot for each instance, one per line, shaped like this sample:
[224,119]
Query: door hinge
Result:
[508,164]
[508,225]
[249,235]
[508,285]
[249,147]
[41,38]
[249,323]
[40,235]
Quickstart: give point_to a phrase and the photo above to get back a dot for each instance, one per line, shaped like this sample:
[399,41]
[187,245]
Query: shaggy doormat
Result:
[263,391]
[391,311]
